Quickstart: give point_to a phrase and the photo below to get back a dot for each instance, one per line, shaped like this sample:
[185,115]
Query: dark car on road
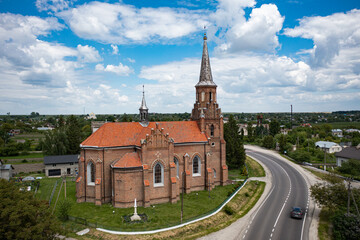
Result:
[297,212]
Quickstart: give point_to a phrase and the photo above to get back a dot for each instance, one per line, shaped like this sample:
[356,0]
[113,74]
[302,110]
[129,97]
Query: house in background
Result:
[61,165]
[329,147]
[337,133]
[6,170]
[346,154]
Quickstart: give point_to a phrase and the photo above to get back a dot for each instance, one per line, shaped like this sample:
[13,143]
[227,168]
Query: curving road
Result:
[270,218]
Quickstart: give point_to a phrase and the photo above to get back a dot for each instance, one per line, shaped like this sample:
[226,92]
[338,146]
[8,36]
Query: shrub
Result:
[346,227]
[24,161]
[64,208]
[228,210]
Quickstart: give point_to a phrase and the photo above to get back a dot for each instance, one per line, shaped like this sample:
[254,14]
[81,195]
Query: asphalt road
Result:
[272,219]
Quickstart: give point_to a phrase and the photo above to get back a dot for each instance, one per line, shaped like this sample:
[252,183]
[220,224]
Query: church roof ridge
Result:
[122,134]
[205,71]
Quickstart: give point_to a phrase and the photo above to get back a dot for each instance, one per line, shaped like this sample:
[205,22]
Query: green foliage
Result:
[64,209]
[235,152]
[250,131]
[351,167]
[55,142]
[346,227]
[274,127]
[333,196]
[228,210]
[268,141]
[73,134]
[300,155]
[24,217]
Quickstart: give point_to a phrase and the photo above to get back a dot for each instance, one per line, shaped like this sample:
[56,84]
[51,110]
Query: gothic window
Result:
[214,172]
[210,96]
[202,96]
[212,130]
[176,161]
[158,175]
[91,173]
[196,166]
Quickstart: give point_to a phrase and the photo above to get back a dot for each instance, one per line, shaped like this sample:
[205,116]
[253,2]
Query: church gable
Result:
[157,139]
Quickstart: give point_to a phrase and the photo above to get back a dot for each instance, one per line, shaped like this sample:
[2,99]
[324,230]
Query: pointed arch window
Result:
[176,161]
[210,96]
[158,175]
[91,173]
[212,130]
[214,172]
[196,166]
[202,96]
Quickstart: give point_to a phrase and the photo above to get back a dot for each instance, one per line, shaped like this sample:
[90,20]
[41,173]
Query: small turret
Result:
[143,111]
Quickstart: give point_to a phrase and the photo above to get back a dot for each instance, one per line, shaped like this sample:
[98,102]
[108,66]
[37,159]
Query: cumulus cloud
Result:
[251,82]
[53,5]
[120,23]
[330,34]
[37,62]
[115,49]
[259,32]
[121,69]
[88,54]
[123,24]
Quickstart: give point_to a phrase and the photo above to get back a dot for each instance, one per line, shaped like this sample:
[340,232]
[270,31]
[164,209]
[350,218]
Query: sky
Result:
[76,57]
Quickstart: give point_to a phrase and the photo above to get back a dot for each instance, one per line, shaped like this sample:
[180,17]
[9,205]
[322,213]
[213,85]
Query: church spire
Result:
[143,110]
[205,72]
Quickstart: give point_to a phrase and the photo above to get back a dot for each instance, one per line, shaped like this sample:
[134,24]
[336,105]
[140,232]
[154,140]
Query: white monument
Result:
[135,216]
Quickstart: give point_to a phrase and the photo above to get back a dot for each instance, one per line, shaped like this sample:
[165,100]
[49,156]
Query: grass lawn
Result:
[159,216]
[240,205]
[254,168]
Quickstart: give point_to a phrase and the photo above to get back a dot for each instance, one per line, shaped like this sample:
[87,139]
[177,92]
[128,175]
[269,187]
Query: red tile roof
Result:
[129,160]
[130,133]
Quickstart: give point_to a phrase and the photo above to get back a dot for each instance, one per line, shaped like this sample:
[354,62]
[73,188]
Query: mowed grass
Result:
[159,216]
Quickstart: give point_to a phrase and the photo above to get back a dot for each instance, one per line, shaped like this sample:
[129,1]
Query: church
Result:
[153,162]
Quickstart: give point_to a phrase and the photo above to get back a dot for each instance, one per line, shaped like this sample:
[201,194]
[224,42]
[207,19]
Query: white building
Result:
[329,147]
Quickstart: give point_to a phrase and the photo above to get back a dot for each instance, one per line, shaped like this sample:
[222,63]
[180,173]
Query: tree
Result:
[24,217]
[235,152]
[351,167]
[61,122]
[55,142]
[346,227]
[274,127]
[268,141]
[64,208]
[73,134]
[250,131]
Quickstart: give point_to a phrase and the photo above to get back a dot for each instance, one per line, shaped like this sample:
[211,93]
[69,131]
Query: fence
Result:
[53,191]
[150,230]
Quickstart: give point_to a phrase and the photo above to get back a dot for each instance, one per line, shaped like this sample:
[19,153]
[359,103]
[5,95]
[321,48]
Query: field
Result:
[341,125]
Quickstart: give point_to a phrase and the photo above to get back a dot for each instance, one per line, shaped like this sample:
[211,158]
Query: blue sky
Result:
[67,56]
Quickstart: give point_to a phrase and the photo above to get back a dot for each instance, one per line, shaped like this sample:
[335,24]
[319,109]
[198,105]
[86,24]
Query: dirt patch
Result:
[28,167]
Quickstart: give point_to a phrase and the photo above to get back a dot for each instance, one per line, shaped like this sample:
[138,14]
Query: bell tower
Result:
[206,111]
